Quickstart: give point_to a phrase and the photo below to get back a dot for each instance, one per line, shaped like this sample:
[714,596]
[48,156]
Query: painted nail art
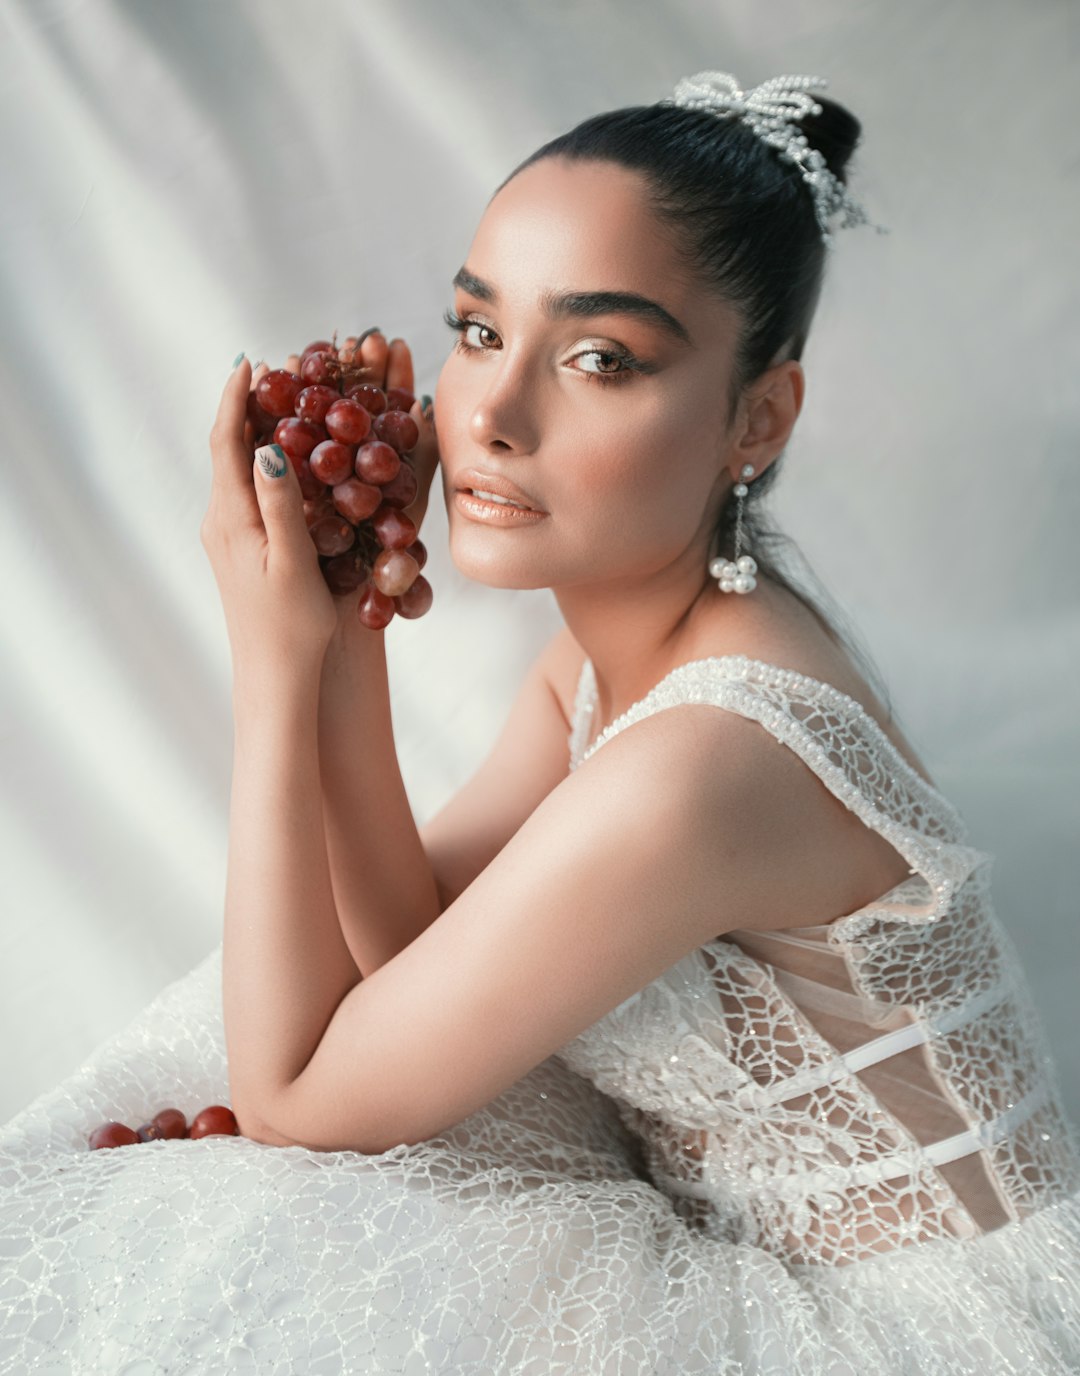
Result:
[271,459]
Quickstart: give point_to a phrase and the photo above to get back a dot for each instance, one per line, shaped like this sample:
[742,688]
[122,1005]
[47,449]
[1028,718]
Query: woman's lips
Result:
[494,513]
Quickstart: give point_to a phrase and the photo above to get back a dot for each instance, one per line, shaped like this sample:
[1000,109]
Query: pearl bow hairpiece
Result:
[771,110]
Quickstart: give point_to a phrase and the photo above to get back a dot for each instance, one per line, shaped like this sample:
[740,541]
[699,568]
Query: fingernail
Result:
[374,330]
[237,360]
[271,459]
[425,406]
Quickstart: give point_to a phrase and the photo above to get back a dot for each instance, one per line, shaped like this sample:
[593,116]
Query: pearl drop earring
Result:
[737,575]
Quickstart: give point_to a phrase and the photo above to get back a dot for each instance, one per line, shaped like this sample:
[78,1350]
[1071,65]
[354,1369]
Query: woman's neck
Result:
[632,647]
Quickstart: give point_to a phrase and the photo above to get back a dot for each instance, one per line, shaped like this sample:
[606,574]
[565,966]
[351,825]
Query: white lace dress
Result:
[833,1151]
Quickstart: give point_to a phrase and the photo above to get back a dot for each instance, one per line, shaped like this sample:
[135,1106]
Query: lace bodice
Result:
[834,1091]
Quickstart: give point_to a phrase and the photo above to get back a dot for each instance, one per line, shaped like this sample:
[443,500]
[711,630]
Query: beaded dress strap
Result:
[765,692]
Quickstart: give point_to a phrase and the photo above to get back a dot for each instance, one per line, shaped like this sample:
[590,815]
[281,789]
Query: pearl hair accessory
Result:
[737,575]
[771,110]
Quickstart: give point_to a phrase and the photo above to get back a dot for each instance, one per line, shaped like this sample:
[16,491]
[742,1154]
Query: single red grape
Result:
[393,529]
[314,402]
[112,1135]
[356,500]
[374,608]
[394,571]
[402,488]
[332,534]
[298,437]
[319,368]
[332,462]
[377,462]
[321,346]
[416,600]
[215,1120]
[345,572]
[397,428]
[276,392]
[417,549]
[171,1122]
[370,397]
[348,422]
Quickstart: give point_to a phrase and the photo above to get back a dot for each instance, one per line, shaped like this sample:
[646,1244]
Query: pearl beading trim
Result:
[770,110]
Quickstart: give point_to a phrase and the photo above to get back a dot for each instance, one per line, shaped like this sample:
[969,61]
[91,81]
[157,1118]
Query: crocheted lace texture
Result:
[838,1091]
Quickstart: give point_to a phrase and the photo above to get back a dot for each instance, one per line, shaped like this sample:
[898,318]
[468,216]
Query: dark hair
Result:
[743,222]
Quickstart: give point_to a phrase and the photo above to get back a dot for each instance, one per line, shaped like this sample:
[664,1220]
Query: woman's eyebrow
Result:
[584,304]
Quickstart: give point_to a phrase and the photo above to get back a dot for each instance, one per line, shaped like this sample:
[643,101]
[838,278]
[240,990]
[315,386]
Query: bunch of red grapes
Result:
[170,1122]
[348,441]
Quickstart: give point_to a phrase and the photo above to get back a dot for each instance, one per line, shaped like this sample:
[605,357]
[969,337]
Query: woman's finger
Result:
[229,451]
[277,492]
[373,352]
[350,350]
[399,367]
[424,458]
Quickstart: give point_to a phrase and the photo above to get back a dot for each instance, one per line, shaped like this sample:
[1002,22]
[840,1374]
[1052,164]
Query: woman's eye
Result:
[477,325]
[608,359]
[625,364]
[462,327]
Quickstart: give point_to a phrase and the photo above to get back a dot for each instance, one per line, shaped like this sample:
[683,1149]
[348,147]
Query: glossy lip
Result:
[472,478]
[492,513]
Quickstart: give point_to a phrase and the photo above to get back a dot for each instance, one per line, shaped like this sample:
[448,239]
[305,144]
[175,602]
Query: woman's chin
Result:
[495,569]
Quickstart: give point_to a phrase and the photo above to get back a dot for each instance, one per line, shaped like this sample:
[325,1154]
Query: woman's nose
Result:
[503,419]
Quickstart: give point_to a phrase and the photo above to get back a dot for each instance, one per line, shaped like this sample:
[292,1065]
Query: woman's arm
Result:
[632,862]
[383,884]
[384,887]
[285,964]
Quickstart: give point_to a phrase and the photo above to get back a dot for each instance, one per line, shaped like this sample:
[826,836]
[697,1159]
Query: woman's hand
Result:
[390,365]
[279,612]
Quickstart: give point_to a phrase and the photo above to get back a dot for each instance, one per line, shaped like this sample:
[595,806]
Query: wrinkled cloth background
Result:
[183,181]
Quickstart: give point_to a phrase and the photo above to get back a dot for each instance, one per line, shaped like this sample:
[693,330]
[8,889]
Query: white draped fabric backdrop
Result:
[181,181]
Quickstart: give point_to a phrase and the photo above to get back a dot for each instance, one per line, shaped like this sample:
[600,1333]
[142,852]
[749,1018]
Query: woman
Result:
[660,1048]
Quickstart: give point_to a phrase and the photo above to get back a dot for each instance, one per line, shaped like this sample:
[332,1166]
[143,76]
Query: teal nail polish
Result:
[238,360]
[271,459]
[425,405]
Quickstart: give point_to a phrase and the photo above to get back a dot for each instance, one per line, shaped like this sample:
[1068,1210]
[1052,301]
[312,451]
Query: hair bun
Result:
[834,133]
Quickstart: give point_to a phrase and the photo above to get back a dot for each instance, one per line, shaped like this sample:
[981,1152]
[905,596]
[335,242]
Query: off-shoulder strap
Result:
[835,736]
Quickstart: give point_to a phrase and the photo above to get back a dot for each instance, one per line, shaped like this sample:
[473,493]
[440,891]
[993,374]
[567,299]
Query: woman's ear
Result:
[770,409]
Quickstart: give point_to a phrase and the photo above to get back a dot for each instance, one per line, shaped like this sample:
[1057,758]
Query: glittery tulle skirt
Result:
[525,1240]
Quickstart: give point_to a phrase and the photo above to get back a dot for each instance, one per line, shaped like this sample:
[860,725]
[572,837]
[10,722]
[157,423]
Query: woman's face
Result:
[613,423]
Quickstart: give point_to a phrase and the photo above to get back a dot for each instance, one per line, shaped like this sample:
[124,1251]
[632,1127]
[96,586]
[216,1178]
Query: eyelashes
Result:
[630,365]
